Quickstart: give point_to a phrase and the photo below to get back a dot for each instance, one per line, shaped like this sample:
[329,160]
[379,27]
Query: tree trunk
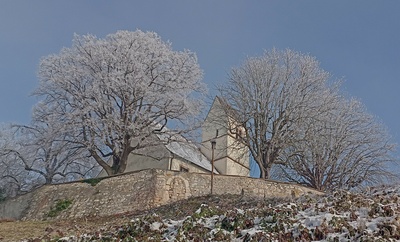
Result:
[123,161]
[102,163]
[262,173]
[267,161]
[49,179]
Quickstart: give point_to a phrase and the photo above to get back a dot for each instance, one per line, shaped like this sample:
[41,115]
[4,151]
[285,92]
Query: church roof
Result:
[191,153]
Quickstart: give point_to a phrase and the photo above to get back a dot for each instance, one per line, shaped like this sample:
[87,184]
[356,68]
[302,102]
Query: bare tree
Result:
[270,96]
[31,156]
[13,176]
[112,95]
[14,179]
[344,149]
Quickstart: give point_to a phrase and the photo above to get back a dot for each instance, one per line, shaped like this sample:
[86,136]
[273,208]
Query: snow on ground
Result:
[341,216]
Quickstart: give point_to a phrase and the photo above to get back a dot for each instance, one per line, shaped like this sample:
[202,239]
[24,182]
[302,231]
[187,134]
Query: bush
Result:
[93,181]
[60,206]
[3,195]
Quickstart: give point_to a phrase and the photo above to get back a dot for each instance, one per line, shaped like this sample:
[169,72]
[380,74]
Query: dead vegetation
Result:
[11,230]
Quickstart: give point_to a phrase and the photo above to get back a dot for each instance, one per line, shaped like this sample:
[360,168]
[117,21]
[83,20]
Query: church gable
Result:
[231,156]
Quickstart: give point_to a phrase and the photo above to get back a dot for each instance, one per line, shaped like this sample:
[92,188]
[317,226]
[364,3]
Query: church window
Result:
[184,169]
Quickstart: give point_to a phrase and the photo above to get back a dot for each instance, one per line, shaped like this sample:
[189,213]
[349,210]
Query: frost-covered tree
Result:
[270,96]
[12,173]
[31,156]
[112,95]
[345,148]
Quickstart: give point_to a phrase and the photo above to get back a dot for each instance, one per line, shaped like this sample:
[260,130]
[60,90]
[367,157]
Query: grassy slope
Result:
[11,230]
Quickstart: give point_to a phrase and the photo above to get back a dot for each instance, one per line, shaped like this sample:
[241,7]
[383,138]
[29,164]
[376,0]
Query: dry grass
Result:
[19,230]
[23,230]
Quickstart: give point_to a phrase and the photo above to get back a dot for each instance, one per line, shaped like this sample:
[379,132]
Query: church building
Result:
[220,143]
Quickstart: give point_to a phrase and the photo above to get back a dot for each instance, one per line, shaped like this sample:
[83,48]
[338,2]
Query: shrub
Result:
[3,195]
[60,206]
[92,181]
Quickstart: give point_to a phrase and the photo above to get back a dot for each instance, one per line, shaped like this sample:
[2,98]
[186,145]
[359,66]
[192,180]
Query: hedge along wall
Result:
[135,191]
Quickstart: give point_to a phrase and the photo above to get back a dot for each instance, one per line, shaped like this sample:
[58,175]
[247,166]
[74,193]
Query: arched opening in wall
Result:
[178,189]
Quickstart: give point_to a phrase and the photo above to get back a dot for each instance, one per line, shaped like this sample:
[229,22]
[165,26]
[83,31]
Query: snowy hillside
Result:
[373,215]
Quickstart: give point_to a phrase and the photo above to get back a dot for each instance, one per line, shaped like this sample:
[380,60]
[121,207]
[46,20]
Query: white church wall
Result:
[178,164]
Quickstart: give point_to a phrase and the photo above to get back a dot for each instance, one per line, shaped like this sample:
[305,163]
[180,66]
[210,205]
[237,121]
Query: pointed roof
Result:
[227,108]
[191,153]
[185,149]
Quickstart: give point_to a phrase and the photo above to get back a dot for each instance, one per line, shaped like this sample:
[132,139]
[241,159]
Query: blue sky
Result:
[358,41]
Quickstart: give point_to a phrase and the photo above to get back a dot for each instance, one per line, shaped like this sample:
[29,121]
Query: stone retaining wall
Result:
[137,191]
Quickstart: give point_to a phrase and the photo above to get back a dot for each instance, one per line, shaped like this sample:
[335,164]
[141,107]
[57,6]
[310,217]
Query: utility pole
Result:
[213,144]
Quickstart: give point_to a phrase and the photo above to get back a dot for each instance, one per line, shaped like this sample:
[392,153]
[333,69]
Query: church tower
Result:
[231,156]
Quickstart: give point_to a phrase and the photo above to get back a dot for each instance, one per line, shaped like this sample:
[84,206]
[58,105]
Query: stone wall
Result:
[16,207]
[137,191]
